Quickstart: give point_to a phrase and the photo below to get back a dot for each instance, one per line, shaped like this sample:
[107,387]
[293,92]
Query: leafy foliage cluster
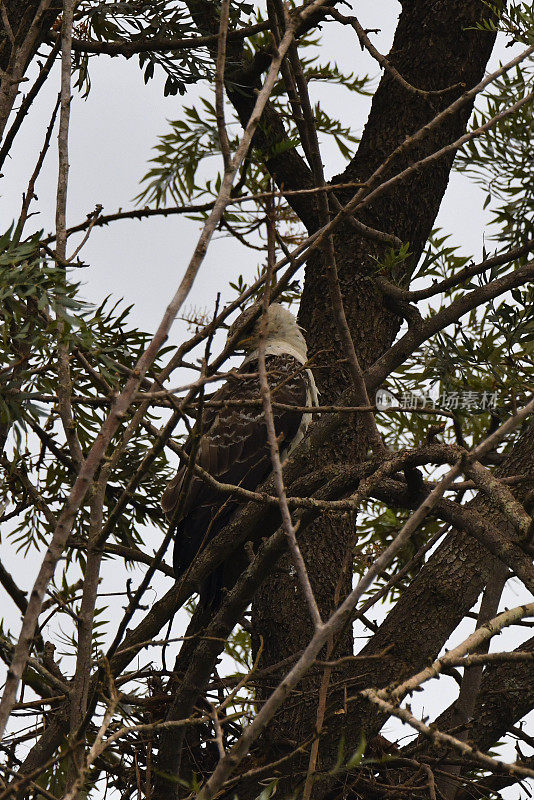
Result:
[134,21]
[40,308]
[492,351]
[179,168]
[501,162]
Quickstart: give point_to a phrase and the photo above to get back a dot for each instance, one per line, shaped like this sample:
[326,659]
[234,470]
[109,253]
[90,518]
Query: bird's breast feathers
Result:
[234,446]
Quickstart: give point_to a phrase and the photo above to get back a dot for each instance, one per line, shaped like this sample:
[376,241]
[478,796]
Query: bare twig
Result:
[219,84]
[366,43]
[490,628]
[472,677]
[27,102]
[64,383]
[365,230]
[93,218]
[81,681]
[431,782]
[325,680]
[119,408]
[287,522]
[97,748]
[29,194]
[244,680]
[342,614]
[218,731]
[438,737]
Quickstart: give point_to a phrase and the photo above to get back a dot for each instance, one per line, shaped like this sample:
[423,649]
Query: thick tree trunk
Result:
[438,599]
[435,47]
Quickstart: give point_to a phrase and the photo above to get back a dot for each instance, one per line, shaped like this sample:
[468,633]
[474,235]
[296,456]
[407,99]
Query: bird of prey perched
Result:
[234,447]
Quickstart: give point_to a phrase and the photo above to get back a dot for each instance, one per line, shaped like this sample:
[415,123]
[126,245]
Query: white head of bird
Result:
[282,334]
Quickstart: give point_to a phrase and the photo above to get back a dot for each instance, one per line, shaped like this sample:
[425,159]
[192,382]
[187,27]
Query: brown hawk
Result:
[234,446]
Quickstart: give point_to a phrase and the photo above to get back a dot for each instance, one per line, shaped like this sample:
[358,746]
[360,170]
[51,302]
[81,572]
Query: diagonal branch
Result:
[343,613]
[122,403]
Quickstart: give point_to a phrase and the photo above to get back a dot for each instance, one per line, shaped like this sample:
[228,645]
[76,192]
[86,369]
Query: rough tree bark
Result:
[435,47]
[438,599]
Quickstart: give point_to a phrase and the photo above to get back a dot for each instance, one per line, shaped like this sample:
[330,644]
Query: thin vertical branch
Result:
[336,295]
[219,85]
[64,120]
[274,19]
[85,629]
[87,608]
[64,383]
[325,681]
[287,522]
[97,747]
[218,731]
[431,782]
[80,686]
[29,195]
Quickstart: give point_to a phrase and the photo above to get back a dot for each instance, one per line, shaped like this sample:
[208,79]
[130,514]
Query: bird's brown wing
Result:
[234,449]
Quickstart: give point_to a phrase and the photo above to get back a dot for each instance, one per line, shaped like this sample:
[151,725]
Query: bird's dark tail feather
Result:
[211,590]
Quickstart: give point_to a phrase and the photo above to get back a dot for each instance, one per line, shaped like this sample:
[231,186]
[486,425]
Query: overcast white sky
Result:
[111,136]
